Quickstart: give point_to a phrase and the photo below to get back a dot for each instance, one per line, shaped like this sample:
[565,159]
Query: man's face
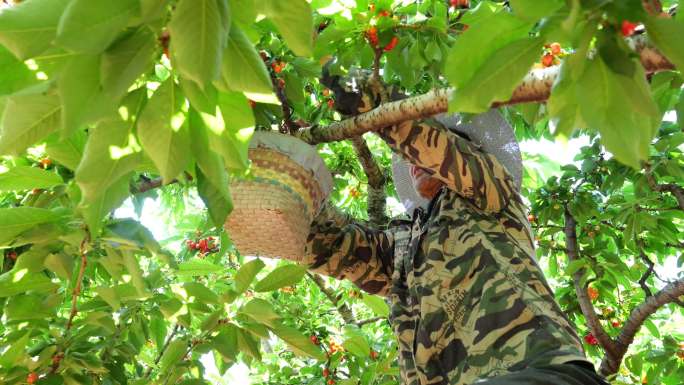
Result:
[424,184]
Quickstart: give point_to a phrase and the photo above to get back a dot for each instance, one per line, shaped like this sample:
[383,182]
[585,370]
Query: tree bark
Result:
[572,249]
[342,308]
[669,294]
[535,87]
[377,198]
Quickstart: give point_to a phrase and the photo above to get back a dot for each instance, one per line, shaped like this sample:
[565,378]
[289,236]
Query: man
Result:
[469,304]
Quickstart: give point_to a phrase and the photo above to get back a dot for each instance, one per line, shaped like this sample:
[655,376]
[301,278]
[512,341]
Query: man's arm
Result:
[341,248]
[456,161]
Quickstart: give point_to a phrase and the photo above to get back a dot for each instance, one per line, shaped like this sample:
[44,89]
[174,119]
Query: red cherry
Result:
[615,323]
[393,43]
[628,28]
[331,381]
[373,354]
[555,48]
[547,60]
[383,13]
[12,255]
[331,103]
[32,378]
[590,339]
[326,372]
[314,340]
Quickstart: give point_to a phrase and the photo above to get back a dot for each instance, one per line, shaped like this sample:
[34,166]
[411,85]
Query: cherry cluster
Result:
[204,245]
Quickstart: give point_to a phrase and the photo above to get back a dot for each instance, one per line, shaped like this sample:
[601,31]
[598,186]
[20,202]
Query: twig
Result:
[370,321]
[79,281]
[162,350]
[674,189]
[648,272]
[572,250]
[342,308]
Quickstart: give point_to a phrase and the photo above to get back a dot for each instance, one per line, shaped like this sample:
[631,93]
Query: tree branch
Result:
[535,87]
[342,308]
[370,321]
[669,294]
[376,183]
[79,281]
[674,189]
[161,351]
[572,249]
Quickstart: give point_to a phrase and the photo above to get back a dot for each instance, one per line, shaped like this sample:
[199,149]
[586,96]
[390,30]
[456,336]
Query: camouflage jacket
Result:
[468,300]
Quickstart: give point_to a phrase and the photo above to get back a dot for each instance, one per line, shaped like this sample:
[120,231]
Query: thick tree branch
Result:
[535,87]
[376,183]
[572,249]
[669,294]
[342,308]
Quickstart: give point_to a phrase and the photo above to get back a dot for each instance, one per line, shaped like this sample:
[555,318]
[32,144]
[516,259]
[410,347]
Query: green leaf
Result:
[61,264]
[294,21]
[110,296]
[298,342]
[212,181]
[377,304]
[15,74]
[248,344]
[89,26]
[173,354]
[81,93]
[497,77]
[246,274]
[195,267]
[19,282]
[28,307]
[108,156]
[15,220]
[261,311]
[10,357]
[163,132]
[243,69]
[29,28]
[232,140]
[490,32]
[202,100]
[26,178]
[126,60]
[94,210]
[200,292]
[69,151]
[197,36]
[216,198]
[226,342]
[357,346]
[531,10]
[621,109]
[664,32]
[282,276]
[134,271]
[28,118]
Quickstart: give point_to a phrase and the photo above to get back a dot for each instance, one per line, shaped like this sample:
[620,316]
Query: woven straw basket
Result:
[274,207]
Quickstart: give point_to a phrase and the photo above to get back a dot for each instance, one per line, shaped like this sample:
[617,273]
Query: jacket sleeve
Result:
[341,248]
[457,162]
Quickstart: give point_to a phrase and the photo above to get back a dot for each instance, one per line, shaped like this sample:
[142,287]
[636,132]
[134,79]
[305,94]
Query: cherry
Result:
[32,378]
[459,3]
[593,293]
[547,60]
[531,218]
[393,43]
[45,162]
[555,48]
[373,354]
[628,28]
[12,255]
[281,83]
[314,340]
[383,13]
[252,104]
[331,381]
[590,339]
[326,372]
[615,323]
[326,92]
[331,103]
